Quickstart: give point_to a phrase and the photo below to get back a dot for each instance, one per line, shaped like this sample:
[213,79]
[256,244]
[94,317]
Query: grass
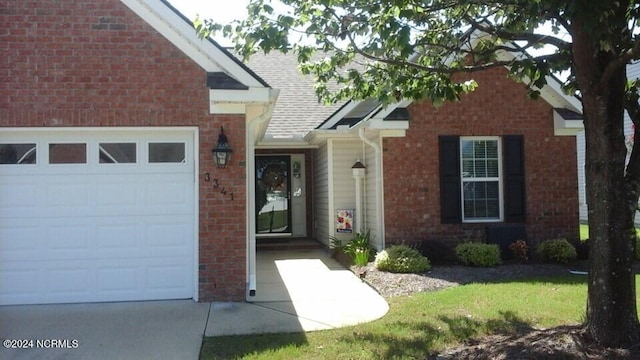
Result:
[419,325]
[280,220]
[584,232]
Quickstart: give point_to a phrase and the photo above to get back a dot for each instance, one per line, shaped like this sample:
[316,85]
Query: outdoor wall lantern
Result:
[358,169]
[222,151]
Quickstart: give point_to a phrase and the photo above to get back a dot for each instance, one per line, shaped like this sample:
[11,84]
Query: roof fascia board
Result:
[251,95]
[380,123]
[384,112]
[563,127]
[182,34]
[338,115]
[385,133]
[227,108]
[222,101]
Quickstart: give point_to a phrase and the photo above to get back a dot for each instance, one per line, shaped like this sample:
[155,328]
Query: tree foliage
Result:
[409,49]
[413,49]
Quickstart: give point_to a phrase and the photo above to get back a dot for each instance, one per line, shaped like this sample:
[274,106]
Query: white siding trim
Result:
[196,212]
[330,190]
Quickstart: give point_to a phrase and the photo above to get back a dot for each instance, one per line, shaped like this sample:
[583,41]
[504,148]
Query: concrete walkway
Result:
[297,291]
[302,290]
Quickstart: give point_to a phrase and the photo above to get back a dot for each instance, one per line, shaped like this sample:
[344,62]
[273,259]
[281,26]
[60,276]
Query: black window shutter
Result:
[515,206]
[450,206]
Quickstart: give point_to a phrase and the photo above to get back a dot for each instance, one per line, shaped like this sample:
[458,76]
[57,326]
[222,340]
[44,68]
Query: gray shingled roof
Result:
[297,109]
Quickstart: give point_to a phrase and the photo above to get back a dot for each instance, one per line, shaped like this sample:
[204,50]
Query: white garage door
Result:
[95,215]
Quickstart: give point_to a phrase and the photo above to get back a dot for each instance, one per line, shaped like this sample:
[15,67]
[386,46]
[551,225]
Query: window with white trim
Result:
[481,183]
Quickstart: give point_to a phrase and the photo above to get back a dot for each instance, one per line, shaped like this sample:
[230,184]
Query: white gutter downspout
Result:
[379,190]
[251,195]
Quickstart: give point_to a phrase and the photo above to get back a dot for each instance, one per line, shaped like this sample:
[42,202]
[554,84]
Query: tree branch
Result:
[622,60]
[529,37]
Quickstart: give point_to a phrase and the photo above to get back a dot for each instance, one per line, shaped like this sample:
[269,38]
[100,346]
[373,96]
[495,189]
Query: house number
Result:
[216,184]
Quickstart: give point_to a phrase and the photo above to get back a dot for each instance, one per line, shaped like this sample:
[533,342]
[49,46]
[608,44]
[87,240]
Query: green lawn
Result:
[272,220]
[584,231]
[419,325]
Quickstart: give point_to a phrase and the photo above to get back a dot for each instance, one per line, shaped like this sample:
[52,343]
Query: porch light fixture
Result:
[358,169]
[222,151]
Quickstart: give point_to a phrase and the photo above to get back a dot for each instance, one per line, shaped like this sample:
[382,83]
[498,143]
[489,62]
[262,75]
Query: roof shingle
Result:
[297,110]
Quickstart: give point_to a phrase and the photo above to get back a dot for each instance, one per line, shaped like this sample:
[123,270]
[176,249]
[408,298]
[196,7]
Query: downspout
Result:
[251,194]
[379,190]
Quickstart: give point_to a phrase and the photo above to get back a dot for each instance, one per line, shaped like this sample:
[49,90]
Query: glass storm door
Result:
[273,200]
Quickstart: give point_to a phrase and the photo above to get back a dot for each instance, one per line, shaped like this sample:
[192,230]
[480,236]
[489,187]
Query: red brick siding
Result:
[96,63]
[498,107]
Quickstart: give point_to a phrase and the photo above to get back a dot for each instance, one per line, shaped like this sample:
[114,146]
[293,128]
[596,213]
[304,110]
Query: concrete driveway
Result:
[128,330]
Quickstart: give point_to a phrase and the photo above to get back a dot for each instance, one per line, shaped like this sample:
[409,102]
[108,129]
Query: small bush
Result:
[402,259]
[359,248]
[478,254]
[520,250]
[557,251]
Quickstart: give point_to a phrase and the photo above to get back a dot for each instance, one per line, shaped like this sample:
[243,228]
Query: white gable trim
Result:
[184,37]
[563,127]
[339,115]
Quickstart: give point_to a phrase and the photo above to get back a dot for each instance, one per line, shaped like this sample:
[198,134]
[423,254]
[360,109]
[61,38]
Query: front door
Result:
[273,196]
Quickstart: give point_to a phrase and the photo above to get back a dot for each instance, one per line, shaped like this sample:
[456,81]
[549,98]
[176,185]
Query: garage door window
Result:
[117,153]
[67,153]
[19,154]
[166,152]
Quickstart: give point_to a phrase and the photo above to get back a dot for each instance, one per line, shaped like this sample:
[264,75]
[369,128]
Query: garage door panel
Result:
[65,241]
[118,194]
[119,239]
[124,279]
[19,240]
[17,199]
[23,283]
[69,281]
[93,280]
[165,278]
[97,231]
[168,192]
[172,238]
[74,195]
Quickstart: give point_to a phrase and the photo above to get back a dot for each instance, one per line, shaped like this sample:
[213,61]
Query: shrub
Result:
[335,243]
[478,254]
[520,250]
[359,247]
[402,259]
[556,250]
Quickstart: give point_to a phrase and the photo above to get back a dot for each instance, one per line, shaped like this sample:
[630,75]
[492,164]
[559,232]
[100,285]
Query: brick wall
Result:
[498,107]
[96,63]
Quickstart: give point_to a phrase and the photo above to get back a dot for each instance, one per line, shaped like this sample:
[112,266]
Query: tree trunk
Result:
[612,318]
